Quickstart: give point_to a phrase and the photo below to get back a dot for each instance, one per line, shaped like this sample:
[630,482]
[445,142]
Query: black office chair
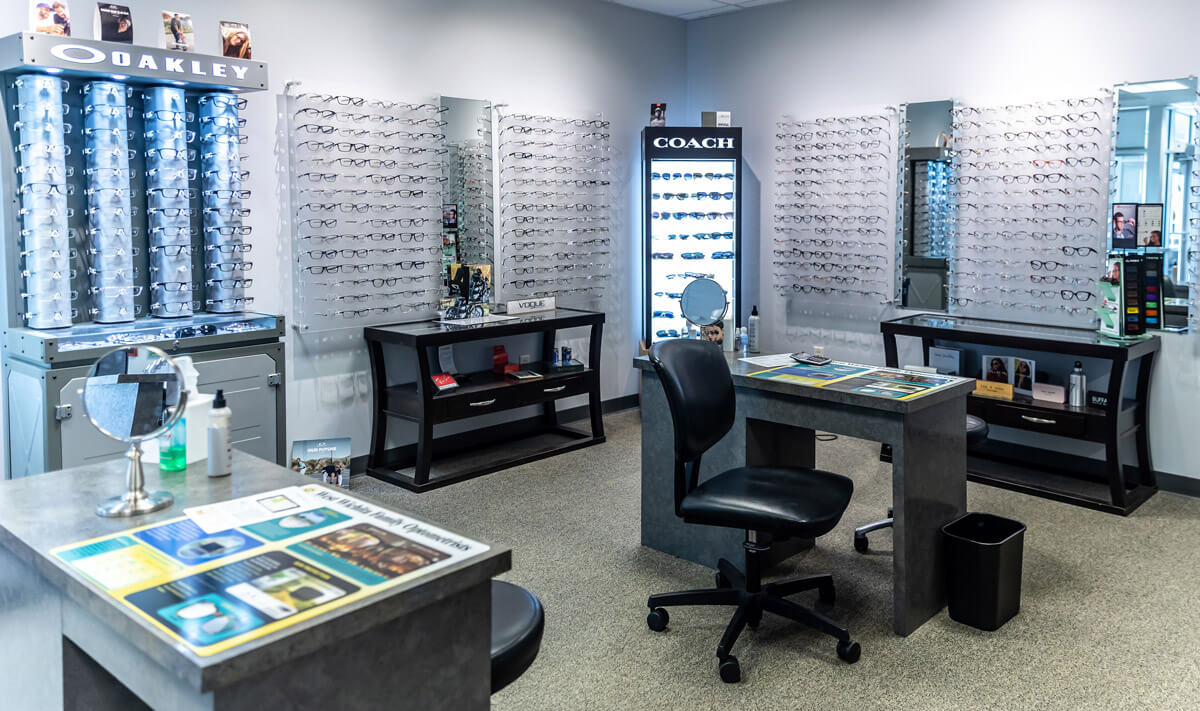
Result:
[977,434]
[517,624]
[765,501]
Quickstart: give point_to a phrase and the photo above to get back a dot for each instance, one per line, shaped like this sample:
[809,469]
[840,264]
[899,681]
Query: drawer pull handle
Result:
[483,403]
[554,390]
[1038,420]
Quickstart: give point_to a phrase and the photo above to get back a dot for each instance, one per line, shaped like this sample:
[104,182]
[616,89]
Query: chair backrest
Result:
[699,392]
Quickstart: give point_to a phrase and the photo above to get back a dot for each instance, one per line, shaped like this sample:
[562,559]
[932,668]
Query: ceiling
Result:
[693,9]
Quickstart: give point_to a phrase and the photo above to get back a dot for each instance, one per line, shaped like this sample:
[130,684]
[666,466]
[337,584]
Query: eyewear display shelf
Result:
[123,226]
[434,463]
[1106,484]
[692,212]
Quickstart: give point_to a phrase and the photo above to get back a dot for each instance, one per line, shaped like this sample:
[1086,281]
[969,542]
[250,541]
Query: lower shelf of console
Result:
[493,450]
[1052,475]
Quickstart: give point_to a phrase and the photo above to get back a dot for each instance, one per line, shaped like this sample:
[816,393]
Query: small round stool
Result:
[517,624]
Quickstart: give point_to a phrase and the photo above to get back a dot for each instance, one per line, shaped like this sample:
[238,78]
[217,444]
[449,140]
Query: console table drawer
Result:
[1036,420]
[457,407]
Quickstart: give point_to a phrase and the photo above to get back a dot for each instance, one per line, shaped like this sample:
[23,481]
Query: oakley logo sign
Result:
[82,54]
[681,142]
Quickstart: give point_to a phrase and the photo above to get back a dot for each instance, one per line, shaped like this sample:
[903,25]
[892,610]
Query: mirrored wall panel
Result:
[1154,183]
[926,226]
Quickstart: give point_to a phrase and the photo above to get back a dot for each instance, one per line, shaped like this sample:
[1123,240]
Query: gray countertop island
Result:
[67,643]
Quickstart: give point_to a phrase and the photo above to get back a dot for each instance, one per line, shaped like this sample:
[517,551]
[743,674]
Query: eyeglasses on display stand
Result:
[692,222]
[121,171]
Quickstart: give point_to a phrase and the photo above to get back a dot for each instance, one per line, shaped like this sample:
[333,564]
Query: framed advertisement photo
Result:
[1149,225]
[1124,225]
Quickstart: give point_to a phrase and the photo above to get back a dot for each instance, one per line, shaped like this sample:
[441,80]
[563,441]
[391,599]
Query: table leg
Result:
[595,406]
[424,451]
[1142,418]
[1114,449]
[376,454]
[929,489]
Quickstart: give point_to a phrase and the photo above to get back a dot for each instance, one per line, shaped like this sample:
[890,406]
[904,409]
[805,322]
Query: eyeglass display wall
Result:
[106,190]
[366,194]
[1031,188]
[555,210]
[833,237]
[692,179]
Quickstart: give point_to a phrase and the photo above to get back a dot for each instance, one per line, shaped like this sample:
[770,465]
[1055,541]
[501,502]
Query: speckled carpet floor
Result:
[1110,615]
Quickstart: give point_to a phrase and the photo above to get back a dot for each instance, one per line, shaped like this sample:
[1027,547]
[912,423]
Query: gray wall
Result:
[812,58]
[573,57]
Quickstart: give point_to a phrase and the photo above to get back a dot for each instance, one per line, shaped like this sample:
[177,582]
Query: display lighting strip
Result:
[1031,186]
[45,232]
[1191,248]
[168,203]
[221,180]
[110,208]
[366,200]
[833,237]
[555,226]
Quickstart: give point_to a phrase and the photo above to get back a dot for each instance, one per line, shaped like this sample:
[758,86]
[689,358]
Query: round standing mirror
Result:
[134,395]
[703,302]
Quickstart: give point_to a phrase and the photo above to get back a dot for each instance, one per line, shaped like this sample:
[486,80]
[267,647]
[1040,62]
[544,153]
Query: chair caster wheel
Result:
[722,581]
[849,651]
[753,619]
[657,619]
[731,672]
[860,543]
[828,595]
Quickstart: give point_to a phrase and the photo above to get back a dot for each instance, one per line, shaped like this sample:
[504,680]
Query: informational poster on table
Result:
[889,383]
[234,571]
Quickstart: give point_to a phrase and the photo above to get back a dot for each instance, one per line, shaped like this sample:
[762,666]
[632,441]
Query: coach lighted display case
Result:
[692,205]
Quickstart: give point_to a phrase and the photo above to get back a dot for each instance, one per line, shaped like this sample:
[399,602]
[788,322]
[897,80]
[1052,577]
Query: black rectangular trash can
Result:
[983,569]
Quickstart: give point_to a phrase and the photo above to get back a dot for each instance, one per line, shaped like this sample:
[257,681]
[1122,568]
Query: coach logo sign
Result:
[709,142]
[82,54]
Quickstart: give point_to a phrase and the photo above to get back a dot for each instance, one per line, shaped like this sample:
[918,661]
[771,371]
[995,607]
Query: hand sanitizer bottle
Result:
[220,446]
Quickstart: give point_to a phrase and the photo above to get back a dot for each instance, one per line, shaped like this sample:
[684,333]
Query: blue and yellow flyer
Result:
[890,383]
[234,571]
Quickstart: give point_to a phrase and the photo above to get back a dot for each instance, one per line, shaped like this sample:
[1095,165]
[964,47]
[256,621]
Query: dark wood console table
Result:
[484,451]
[1105,484]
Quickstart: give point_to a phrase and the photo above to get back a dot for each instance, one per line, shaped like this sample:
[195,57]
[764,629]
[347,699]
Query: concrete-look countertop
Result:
[741,371]
[45,511]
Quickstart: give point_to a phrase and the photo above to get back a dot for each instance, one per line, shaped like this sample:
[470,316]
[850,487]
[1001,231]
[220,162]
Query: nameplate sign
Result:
[1049,393]
[73,56]
[986,388]
[528,306]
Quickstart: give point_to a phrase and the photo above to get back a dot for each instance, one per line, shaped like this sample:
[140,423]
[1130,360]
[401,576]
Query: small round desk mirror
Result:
[134,395]
[703,302]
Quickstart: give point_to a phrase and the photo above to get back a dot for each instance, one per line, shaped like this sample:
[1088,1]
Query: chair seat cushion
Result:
[801,502]
[517,624]
[977,431]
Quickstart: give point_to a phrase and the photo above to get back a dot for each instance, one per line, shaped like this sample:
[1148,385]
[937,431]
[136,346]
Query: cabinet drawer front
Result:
[458,407]
[542,390]
[1057,423]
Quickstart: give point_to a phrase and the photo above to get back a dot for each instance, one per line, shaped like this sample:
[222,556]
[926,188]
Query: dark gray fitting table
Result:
[776,424]
[66,644]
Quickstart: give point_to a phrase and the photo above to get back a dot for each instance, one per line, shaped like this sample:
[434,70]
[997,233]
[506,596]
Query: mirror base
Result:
[134,504]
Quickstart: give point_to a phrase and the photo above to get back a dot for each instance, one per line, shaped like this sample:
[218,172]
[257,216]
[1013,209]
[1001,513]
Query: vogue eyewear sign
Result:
[133,63]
